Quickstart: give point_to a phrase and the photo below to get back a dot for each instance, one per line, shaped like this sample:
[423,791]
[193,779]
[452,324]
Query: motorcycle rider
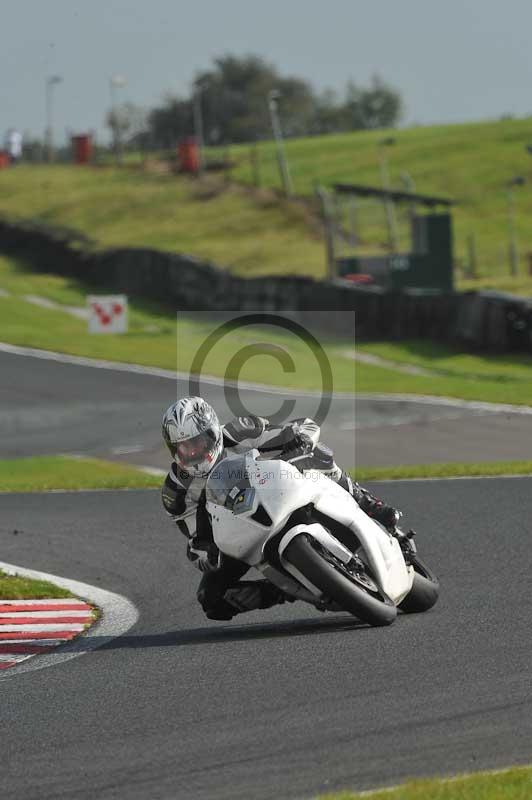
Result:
[197,442]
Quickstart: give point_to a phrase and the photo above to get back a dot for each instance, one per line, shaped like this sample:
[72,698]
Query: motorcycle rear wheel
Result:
[351,593]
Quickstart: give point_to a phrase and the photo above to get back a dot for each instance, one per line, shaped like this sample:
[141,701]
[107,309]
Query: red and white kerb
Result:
[30,627]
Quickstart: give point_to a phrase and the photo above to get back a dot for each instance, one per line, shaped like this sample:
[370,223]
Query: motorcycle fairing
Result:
[382,551]
[321,535]
[281,489]
[278,486]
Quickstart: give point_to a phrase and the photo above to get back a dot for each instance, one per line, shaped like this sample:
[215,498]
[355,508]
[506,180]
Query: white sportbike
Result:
[309,537]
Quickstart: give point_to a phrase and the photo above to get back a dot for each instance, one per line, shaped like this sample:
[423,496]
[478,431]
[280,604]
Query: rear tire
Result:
[373,607]
[424,592]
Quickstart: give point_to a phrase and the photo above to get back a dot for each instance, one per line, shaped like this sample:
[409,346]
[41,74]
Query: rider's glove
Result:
[301,443]
[387,516]
[204,558]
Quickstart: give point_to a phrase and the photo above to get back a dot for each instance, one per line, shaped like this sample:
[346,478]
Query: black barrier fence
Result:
[481,320]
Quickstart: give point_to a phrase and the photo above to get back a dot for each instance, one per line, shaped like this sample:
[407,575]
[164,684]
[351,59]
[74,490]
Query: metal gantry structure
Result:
[51,82]
[425,263]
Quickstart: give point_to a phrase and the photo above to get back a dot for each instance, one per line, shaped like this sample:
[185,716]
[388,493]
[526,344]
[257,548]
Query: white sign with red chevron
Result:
[107,314]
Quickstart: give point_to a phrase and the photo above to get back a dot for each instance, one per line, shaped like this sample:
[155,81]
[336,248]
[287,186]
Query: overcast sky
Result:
[453,60]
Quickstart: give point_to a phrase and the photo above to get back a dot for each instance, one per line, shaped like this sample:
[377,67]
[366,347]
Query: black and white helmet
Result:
[193,435]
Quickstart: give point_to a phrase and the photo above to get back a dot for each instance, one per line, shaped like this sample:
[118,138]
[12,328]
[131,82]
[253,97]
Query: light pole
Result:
[116,82]
[51,81]
[512,236]
[386,185]
[410,186]
[408,182]
[385,174]
[273,97]
[198,125]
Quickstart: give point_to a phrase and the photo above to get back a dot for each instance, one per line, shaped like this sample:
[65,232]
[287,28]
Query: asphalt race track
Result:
[281,703]
[50,407]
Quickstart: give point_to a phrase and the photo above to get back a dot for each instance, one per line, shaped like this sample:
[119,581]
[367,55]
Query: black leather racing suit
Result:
[183,498]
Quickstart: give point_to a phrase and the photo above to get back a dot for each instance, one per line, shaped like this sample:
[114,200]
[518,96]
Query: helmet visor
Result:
[195,450]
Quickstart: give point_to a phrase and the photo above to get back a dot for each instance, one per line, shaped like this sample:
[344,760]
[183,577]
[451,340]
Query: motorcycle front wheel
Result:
[353,590]
[425,589]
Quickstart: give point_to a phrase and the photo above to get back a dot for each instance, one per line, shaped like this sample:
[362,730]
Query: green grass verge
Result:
[481,469]
[155,339]
[45,473]
[15,587]
[449,362]
[512,784]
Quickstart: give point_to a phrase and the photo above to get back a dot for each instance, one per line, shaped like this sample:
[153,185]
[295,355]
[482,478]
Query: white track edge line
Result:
[52,601]
[118,615]
[367,480]
[157,372]
[82,616]
[34,642]
[37,627]
[439,779]
[448,478]
[139,369]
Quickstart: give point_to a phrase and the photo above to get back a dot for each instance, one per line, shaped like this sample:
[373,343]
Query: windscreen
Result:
[228,482]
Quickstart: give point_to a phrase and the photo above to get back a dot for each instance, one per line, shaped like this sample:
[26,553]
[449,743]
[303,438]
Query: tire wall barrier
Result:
[478,320]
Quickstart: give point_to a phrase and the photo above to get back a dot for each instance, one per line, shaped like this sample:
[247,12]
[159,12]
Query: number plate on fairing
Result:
[243,501]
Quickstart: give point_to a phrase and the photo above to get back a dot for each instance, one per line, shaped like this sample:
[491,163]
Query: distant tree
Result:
[128,121]
[329,115]
[170,122]
[380,105]
[376,106]
[234,98]
[297,106]
[352,114]
[233,95]
[33,148]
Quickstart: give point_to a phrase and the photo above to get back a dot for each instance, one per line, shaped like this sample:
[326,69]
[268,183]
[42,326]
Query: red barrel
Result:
[189,157]
[82,148]
[4,159]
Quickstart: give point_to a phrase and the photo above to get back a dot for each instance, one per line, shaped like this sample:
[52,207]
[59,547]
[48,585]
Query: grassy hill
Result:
[131,208]
[471,163]
[254,232]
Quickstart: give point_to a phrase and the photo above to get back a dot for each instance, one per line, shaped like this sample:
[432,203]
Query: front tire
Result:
[337,584]
[424,592]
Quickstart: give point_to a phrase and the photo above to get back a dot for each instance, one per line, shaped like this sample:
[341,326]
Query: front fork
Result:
[407,544]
